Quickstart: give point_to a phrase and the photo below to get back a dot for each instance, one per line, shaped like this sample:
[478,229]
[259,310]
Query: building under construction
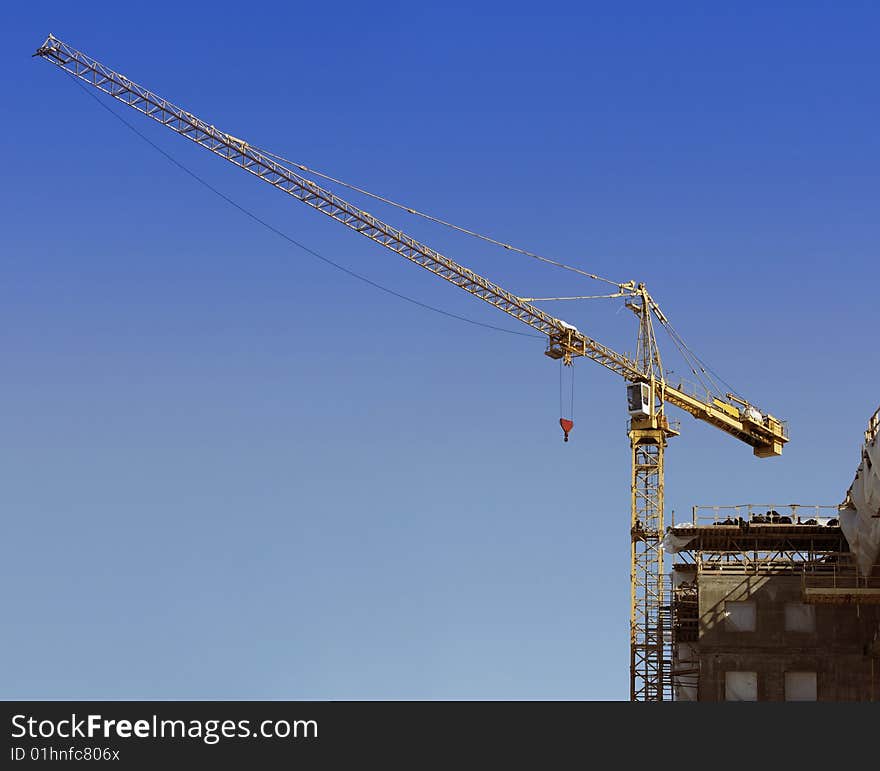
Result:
[780,603]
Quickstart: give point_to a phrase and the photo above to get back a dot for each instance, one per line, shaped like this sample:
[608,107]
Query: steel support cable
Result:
[444,223]
[693,361]
[285,236]
[704,367]
[693,365]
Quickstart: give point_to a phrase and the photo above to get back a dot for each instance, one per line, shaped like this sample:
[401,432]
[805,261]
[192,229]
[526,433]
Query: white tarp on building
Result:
[859,518]
[672,543]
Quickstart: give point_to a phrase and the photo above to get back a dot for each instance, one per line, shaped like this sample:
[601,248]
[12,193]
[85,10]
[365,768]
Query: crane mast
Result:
[648,391]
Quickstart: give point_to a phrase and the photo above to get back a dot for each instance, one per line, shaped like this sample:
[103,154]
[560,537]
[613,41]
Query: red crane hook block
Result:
[567,425]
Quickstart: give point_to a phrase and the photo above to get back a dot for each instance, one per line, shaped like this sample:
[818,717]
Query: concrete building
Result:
[767,605]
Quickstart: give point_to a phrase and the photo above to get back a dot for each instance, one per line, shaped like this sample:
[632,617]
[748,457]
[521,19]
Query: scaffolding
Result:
[757,538]
[837,581]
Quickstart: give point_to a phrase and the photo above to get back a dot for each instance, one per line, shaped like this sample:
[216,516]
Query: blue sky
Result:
[231,471]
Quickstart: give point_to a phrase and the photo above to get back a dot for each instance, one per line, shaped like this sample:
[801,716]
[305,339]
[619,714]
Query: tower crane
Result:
[648,390]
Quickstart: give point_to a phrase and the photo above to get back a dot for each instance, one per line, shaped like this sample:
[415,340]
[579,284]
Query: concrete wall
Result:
[838,650]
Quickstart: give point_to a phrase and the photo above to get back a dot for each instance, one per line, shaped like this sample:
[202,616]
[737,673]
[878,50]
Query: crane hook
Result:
[567,425]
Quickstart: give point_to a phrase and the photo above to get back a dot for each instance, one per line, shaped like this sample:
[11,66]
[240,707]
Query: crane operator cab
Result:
[638,399]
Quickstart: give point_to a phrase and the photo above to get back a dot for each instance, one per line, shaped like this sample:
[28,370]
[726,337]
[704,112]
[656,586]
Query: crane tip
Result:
[48,44]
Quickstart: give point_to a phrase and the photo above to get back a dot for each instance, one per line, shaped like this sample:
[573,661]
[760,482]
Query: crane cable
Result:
[410,210]
[566,416]
[566,405]
[695,362]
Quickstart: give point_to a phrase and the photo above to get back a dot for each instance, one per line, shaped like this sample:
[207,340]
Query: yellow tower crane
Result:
[648,391]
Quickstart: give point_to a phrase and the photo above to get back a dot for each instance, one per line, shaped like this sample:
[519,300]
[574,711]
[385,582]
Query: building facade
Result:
[770,607]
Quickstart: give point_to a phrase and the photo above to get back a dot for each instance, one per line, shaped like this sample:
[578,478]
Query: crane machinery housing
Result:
[648,390]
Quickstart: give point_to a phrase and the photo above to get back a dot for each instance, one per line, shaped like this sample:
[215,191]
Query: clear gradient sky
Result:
[230,471]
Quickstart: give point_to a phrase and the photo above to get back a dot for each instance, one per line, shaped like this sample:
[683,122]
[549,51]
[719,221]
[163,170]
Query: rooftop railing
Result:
[764,514]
